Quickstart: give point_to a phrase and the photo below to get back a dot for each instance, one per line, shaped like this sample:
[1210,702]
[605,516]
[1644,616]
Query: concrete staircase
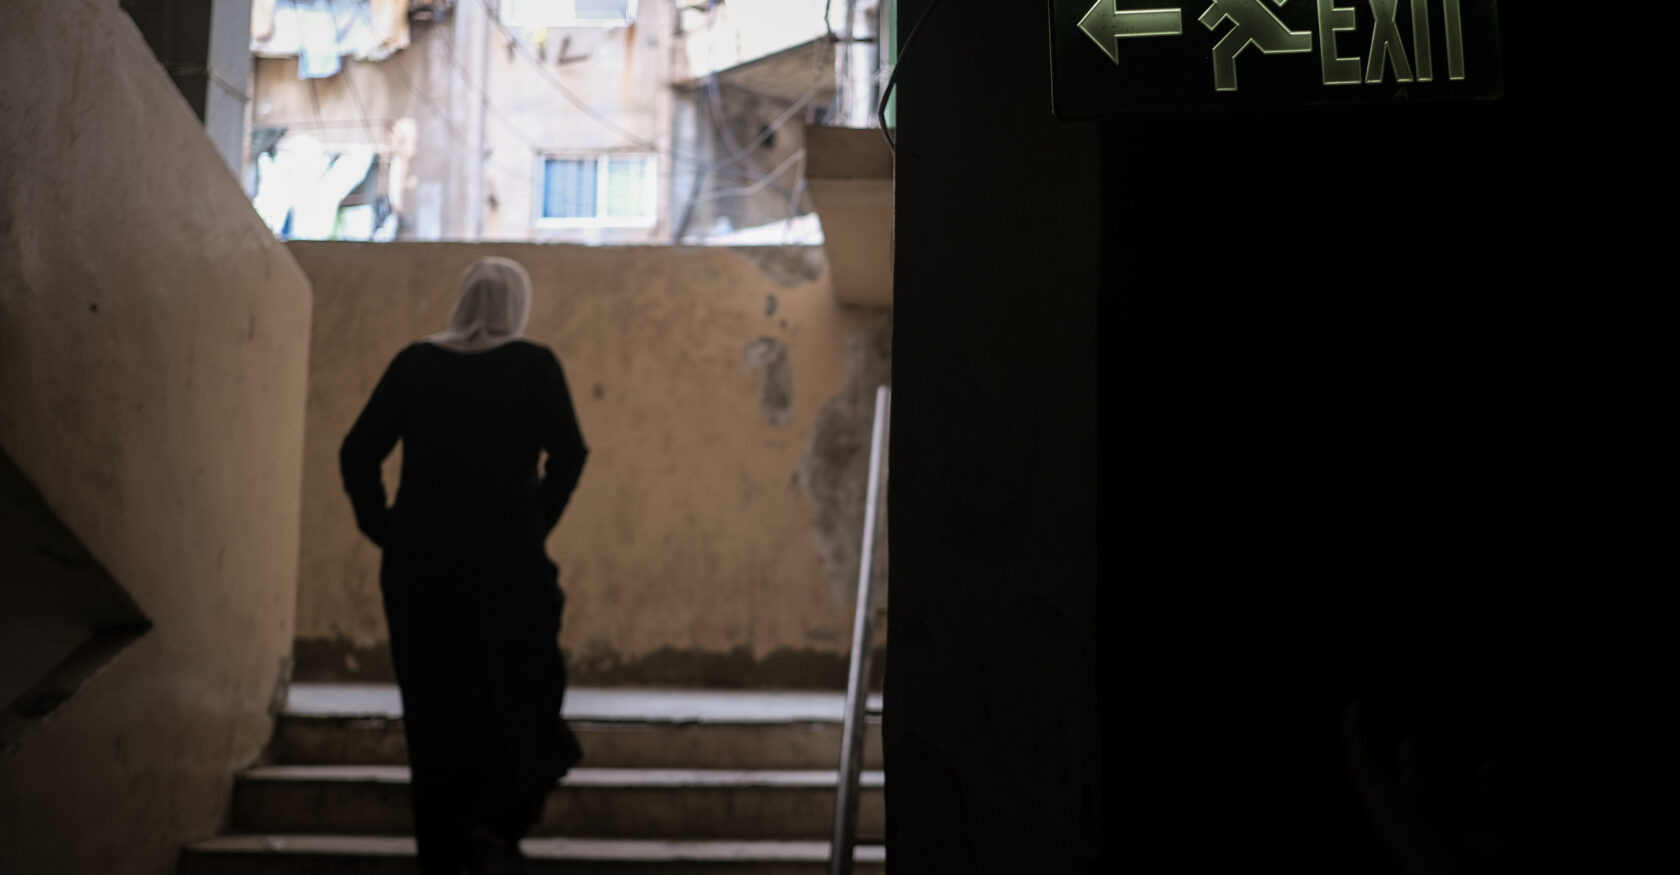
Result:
[673,782]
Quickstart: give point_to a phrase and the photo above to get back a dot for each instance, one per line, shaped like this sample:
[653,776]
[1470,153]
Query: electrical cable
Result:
[523,176]
[730,163]
[720,123]
[770,130]
[455,132]
[494,15]
[731,166]
[757,186]
[843,62]
[714,98]
[350,81]
[454,61]
[903,52]
[361,108]
[793,203]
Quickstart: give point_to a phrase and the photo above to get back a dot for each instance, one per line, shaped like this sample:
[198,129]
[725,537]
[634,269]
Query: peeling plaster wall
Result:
[724,396]
[152,375]
[835,467]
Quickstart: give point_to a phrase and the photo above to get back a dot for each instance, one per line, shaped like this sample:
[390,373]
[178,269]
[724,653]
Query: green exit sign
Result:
[1115,56]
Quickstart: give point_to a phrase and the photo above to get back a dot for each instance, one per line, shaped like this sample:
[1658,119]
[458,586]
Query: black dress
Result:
[471,598]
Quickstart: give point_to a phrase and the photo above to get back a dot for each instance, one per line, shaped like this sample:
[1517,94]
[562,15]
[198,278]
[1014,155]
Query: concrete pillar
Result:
[1386,435]
[205,45]
[990,723]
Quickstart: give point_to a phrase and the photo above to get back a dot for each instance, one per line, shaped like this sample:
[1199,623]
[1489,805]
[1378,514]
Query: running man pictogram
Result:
[1256,25]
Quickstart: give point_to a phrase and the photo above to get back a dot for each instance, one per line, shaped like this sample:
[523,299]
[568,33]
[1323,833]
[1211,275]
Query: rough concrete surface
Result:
[692,552]
[835,467]
[153,343]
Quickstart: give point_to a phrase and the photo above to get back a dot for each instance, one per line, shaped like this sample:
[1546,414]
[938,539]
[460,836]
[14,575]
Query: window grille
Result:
[601,190]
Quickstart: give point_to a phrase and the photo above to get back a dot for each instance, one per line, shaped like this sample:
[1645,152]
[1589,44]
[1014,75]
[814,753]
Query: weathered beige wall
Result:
[726,400]
[152,375]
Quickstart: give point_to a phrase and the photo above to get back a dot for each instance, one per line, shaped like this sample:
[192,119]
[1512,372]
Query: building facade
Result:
[582,121]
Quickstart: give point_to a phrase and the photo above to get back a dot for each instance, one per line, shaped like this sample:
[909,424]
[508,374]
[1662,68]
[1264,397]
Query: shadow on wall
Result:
[835,470]
[65,619]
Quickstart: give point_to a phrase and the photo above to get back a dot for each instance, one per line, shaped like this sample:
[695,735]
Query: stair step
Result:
[595,803]
[391,855]
[624,744]
[603,703]
[350,724]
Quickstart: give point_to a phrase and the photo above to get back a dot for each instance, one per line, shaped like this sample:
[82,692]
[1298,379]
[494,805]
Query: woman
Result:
[471,599]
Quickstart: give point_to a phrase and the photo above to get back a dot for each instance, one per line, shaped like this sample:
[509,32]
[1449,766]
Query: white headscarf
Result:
[494,304]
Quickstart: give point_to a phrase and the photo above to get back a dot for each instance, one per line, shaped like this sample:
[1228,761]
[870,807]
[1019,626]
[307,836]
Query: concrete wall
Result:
[990,731]
[205,46]
[727,402]
[152,374]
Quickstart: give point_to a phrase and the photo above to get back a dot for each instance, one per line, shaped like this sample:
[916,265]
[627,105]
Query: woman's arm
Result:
[364,450]
[563,442]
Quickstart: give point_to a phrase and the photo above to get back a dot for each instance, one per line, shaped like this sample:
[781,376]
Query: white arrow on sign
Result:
[1106,25]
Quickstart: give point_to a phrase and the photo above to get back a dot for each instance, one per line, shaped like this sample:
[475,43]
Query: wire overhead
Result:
[455,62]
[732,162]
[903,52]
[438,113]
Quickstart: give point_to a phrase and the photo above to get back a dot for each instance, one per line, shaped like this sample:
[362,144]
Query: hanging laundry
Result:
[262,20]
[321,32]
[315,211]
[295,164]
[390,20]
[318,48]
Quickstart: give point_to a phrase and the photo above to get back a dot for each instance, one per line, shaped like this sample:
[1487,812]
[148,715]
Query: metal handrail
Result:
[857,678]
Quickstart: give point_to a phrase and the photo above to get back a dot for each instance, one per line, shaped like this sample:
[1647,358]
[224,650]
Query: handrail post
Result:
[857,678]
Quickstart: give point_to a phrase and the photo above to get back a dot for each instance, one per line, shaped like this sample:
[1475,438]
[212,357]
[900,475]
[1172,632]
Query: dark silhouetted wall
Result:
[153,369]
[990,715]
[1390,436]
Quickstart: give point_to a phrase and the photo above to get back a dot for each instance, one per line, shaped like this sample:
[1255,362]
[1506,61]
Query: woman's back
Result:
[472,600]
[472,426]
[471,436]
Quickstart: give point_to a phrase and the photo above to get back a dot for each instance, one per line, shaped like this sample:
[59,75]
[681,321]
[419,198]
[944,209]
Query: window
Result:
[615,191]
[568,13]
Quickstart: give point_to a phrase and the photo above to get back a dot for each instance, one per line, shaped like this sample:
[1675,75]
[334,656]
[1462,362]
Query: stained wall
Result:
[153,339]
[726,399]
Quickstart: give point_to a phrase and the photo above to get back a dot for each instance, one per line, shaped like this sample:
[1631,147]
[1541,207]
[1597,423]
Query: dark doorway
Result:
[1378,421]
